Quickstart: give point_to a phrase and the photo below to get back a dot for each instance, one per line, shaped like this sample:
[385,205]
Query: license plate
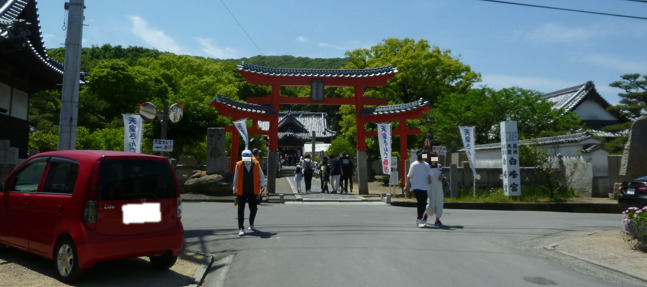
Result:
[142,213]
[631,191]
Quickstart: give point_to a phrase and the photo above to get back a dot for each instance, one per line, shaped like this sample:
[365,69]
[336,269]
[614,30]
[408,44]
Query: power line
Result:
[571,10]
[241,27]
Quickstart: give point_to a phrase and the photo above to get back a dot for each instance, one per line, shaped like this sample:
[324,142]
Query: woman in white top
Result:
[435,194]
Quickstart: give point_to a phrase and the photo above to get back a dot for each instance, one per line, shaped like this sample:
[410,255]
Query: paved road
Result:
[355,244]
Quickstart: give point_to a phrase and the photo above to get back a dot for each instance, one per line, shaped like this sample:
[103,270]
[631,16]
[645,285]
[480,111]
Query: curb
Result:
[201,273]
[541,206]
[552,248]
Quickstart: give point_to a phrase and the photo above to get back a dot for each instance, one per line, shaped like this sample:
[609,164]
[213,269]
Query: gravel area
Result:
[23,269]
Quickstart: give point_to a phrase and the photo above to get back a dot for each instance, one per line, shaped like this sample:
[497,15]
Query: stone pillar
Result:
[272,166]
[216,154]
[362,174]
[634,157]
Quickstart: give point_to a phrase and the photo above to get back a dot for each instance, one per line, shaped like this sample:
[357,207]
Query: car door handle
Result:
[26,204]
[59,207]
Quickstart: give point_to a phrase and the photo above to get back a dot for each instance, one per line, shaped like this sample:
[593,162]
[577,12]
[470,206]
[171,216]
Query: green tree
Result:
[632,105]
[485,108]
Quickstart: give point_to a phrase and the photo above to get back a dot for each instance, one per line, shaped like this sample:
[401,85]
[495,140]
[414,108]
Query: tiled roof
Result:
[19,23]
[561,139]
[245,107]
[393,109]
[570,98]
[310,121]
[318,73]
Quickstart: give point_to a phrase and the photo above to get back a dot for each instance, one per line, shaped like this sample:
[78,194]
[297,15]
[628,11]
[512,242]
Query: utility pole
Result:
[71,76]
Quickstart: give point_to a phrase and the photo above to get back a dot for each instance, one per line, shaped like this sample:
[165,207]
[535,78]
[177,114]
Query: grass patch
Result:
[495,195]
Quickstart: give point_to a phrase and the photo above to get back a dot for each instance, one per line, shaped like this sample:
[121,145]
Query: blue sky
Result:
[510,45]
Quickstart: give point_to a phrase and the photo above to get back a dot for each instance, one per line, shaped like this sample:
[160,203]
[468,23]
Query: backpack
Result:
[298,170]
[307,166]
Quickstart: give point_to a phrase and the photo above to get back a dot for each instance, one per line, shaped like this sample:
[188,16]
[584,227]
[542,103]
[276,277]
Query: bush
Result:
[635,229]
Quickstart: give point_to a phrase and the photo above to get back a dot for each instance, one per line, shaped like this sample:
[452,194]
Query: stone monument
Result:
[216,180]
[635,155]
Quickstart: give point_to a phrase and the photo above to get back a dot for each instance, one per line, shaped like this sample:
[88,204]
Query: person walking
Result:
[335,172]
[325,174]
[248,183]
[347,172]
[298,177]
[419,179]
[307,172]
[436,196]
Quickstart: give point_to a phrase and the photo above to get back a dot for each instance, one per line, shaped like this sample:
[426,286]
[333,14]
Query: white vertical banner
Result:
[510,158]
[241,126]
[384,135]
[467,134]
[132,133]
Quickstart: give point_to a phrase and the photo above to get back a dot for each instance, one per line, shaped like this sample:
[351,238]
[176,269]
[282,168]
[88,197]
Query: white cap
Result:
[247,155]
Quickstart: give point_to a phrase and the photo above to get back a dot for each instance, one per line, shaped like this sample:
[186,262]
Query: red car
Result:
[79,207]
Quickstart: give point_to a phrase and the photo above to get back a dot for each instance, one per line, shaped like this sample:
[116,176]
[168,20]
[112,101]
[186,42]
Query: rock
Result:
[217,184]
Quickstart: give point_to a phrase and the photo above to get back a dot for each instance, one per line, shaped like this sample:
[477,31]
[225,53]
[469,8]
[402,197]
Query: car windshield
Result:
[131,179]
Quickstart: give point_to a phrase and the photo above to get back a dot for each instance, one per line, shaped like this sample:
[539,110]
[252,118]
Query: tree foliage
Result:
[485,108]
[634,100]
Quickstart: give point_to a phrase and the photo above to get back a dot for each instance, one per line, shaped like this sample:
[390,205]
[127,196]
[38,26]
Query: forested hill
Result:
[91,56]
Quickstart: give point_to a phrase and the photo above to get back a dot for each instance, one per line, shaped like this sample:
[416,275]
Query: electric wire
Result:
[570,10]
[241,27]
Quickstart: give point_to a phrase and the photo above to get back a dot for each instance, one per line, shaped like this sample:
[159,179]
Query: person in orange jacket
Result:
[248,183]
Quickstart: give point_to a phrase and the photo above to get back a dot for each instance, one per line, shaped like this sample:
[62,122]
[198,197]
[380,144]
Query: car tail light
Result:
[179,207]
[90,208]
[90,214]
[641,189]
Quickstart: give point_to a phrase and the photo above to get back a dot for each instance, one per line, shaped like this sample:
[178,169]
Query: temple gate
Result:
[267,108]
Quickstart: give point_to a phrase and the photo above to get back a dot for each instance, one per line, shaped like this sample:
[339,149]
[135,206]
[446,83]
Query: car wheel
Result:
[163,261]
[67,261]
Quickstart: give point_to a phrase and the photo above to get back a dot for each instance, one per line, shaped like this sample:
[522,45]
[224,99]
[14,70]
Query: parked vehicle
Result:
[633,193]
[79,207]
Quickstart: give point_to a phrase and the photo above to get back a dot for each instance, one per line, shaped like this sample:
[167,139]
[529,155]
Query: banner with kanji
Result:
[241,126]
[510,159]
[132,133]
[467,134]
[384,136]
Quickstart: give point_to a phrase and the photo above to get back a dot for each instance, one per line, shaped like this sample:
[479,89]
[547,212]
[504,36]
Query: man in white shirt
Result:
[418,179]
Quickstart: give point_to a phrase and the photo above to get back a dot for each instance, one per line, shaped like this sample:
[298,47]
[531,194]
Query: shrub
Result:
[635,229]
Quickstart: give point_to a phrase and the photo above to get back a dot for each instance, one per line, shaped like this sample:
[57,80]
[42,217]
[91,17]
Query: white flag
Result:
[132,133]
[241,125]
[384,135]
[467,133]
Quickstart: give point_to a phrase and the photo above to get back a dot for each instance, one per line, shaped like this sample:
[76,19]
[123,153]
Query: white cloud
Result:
[551,33]
[154,37]
[212,51]
[614,62]
[302,39]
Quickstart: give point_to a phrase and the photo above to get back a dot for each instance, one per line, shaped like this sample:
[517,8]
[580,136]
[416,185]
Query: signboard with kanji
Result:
[510,159]
[163,145]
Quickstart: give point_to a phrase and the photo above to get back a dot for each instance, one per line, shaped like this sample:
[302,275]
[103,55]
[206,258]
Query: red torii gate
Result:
[317,79]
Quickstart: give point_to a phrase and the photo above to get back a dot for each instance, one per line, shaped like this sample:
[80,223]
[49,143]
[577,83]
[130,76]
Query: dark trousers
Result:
[308,180]
[242,199]
[421,198]
[344,182]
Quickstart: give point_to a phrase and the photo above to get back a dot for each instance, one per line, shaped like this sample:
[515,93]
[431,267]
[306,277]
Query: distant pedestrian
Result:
[298,177]
[248,183]
[419,179]
[325,174]
[347,172]
[308,166]
[436,195]
[335,172]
